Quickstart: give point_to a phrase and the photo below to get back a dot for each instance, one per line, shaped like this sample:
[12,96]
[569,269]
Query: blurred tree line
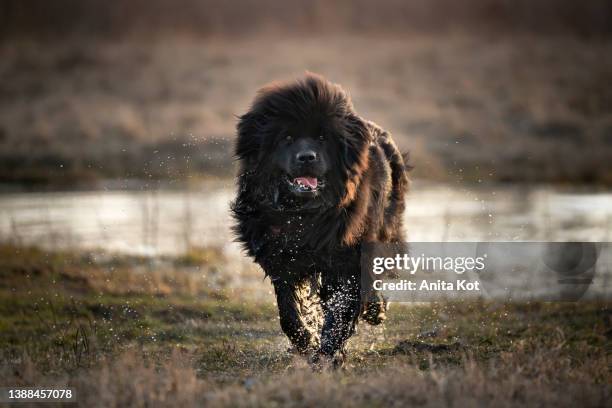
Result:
[48,19]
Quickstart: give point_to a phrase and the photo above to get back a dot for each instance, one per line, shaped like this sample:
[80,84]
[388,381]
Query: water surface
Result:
[169,221]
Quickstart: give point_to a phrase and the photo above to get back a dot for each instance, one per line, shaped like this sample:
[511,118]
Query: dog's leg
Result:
[292,299]
[341,303]
[375,308]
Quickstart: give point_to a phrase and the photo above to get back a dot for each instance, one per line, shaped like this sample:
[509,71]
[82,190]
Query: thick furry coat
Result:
[310,247]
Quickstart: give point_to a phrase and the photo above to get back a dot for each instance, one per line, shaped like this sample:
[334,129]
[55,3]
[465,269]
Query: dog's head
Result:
[303,144]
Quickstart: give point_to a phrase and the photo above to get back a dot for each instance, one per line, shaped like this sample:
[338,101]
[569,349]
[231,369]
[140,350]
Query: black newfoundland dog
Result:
[316,183]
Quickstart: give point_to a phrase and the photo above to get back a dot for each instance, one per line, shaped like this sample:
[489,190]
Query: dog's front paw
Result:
[375,313]
[324,362]
[321,362]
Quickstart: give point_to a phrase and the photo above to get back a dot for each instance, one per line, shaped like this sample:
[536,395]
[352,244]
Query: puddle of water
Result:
[168,222]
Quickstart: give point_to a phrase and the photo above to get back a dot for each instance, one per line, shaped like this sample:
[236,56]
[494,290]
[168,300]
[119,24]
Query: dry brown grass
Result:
[63,324]
[471,108]
[196,273]
[543,378]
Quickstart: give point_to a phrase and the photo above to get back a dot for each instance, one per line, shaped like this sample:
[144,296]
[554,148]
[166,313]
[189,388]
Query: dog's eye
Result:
[289,138]
[322,138]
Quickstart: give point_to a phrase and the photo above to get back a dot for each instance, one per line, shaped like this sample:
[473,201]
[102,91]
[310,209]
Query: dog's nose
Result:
[306,156]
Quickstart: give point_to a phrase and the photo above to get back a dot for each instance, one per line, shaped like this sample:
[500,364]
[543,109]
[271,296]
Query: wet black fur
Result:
[311,248]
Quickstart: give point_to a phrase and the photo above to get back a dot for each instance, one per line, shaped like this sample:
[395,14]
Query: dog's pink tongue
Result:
[307,181]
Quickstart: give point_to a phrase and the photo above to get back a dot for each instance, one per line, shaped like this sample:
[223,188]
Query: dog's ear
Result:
[356,140]
[249,142]
[354,160]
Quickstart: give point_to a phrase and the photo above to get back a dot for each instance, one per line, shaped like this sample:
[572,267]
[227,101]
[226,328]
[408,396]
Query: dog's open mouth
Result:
[305,184]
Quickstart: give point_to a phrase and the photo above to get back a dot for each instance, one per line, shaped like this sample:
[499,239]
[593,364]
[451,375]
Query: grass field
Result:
[470,108]
[128,330]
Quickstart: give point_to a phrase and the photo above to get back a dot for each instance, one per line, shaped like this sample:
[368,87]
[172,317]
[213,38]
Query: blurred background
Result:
[117,118]
[118,270]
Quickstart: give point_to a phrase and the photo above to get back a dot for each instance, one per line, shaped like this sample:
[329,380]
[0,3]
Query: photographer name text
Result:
[424,285]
